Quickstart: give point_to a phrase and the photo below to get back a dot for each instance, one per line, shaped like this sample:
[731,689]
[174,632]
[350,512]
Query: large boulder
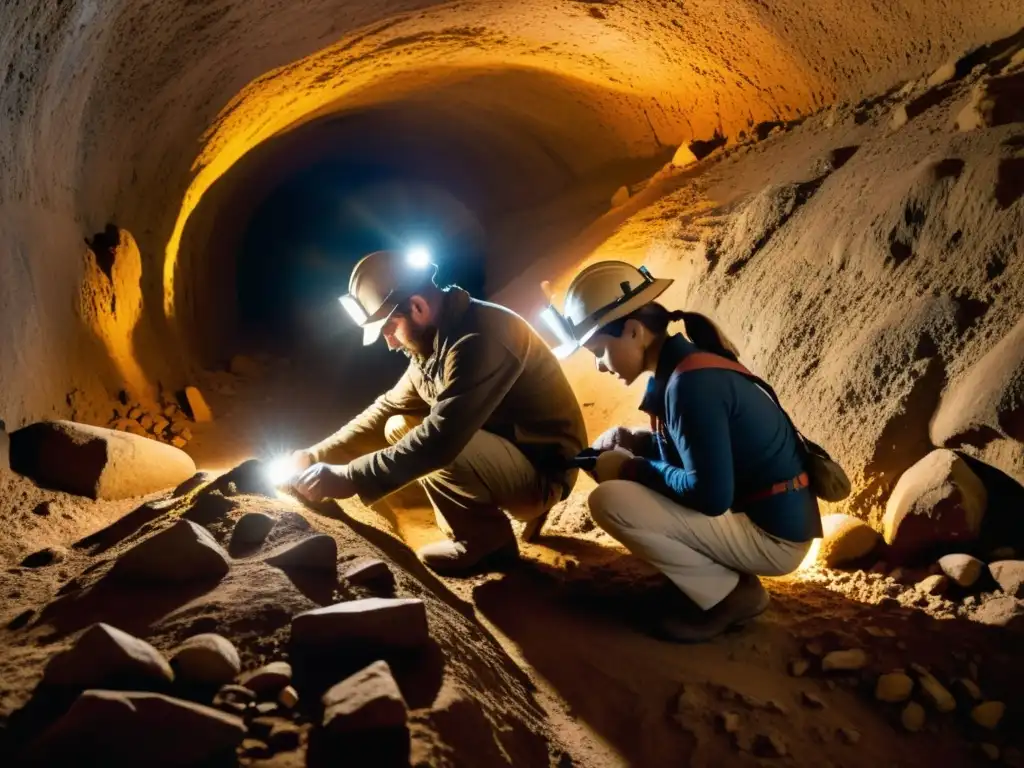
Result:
[117,728]
[105,656]
[846,538]
[96,462]
[988,401]
[937,502]
[182,553]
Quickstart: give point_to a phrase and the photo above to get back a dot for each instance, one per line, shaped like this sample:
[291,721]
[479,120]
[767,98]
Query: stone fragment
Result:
[123,728]
[899,117]
[288,697]
[369,573]
[251,529]
[799,667]
[812,700]
[849,735]
[1009,575]
[269,680]
[845,539]
[964,570]
[368,700]
[106,656]
[621,197]
[96,462]
[938,501]
[684,156]
[913,717]
[182,553]
[942,75]
[937,584]
[207,658]
[997,101]
[730,722]
[178,442]
[147,422]
[135,413]
[935,692]
[989,714]
[317,553]
[848,660]
[375,622]
[160,425]
[894,687]
[197,405]
[768,744]
[267,707]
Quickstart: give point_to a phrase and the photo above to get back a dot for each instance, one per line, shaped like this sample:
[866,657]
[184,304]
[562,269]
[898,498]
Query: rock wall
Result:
[125,113]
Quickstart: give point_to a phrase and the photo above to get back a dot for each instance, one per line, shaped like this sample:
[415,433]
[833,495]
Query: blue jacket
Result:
[721,439]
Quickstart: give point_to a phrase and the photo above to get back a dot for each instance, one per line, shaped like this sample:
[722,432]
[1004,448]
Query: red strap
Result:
[695,361]
[799,482]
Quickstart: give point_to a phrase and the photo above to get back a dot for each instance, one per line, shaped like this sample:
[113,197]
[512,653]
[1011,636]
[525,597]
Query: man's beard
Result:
[421,342]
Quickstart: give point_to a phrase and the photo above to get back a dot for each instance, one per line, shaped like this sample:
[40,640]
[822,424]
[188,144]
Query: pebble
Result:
[989,714]
[106,656]
[937,584]
[368,700]
[812,700]
[964,570]
[799,667]
[208,659]
[267,707]
[236,698]
[288,697]
[913,717]
[268,680]
[848,660]
[935,692]
[894,687]
[317,553]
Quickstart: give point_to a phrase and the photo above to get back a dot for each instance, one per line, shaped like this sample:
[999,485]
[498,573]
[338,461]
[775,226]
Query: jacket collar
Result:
[675,348]
[454,303]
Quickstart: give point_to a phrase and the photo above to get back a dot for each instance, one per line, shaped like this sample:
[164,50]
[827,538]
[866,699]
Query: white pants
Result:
[702,555]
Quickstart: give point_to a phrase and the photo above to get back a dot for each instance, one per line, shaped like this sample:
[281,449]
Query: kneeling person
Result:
[483,417]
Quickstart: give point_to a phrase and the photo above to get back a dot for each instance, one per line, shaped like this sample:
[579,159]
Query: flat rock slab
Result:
[208,659]
[106,656]
[120,728]
[317,553]
[369,572]
[182,553]
[376,622]
[96,462]
[368,700]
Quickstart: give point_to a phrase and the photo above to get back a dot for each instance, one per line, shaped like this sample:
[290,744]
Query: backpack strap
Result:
[697,361]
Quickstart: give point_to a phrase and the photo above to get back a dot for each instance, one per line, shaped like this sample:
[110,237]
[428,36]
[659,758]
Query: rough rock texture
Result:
[376,622]
[368,700]
[938,501]
[121,728]
[184,552]
[369,573]
[317,553]
[269,679]
[846,538]
[206,658]
[96,462]
[1009,574]
[106,656]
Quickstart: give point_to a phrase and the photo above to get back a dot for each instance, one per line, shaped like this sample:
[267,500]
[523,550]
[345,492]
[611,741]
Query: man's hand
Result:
[325,481]
[616,437]
[302,460]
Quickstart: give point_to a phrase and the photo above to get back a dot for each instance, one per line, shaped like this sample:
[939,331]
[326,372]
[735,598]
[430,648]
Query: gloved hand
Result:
[616,437]
[302,460]
[609,464]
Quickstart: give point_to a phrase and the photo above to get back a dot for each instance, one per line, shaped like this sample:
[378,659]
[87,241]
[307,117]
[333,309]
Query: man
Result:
[483,417]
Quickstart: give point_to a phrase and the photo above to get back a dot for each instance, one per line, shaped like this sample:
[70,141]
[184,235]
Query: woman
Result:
[716,493]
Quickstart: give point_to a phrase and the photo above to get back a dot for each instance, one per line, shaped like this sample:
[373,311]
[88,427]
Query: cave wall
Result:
[129,113]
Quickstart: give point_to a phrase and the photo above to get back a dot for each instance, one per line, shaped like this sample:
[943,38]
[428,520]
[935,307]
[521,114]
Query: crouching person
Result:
[716,493]
[483,417]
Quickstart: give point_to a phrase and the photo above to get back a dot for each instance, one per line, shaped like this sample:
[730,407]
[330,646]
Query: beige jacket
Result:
[489,370]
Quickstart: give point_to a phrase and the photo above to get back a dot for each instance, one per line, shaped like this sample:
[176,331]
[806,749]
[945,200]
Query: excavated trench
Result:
[188,181]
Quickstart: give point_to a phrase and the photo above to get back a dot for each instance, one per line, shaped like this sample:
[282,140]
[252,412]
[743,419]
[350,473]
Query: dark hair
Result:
[700,329]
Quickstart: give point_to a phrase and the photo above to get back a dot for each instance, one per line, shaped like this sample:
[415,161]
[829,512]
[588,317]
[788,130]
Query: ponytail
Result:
[700,329]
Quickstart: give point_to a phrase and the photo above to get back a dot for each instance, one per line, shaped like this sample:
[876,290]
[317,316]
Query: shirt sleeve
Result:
[344,444]
[698,424]
[478,373]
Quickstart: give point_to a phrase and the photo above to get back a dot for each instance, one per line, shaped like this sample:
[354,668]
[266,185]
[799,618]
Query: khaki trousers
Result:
[489,478]
[702,555]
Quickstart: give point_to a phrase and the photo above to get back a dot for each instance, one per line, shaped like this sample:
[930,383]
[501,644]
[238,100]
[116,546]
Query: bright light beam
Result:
[418,257]
[281,470]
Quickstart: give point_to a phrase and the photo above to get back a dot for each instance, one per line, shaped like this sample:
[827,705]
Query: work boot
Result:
[531,528]
[747,601]
[454,558]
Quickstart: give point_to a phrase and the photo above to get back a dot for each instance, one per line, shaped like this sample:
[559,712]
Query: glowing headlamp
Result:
[354,308]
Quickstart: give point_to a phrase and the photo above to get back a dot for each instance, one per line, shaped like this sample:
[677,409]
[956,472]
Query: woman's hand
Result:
[616,437]
[609,464]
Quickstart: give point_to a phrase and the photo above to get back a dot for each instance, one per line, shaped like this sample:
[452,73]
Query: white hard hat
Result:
[379,283]
[605,292]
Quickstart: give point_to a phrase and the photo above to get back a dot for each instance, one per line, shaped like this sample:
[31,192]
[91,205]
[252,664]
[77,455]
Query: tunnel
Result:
[185,188]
